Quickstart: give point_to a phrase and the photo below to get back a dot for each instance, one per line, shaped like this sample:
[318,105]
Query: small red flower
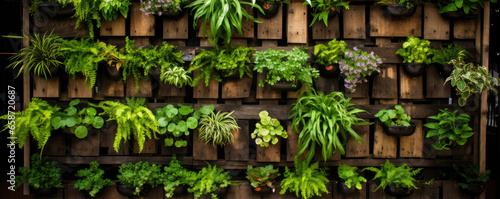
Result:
[329,67]
[257,189]
[266,6]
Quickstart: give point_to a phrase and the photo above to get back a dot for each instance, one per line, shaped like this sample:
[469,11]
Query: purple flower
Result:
[366,80]
[346,53]
[159,13]
[350,55]
[355,48]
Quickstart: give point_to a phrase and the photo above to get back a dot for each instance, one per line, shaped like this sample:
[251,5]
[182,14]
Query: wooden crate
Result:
[202,151]
[354,22]
[271,28]
[44,88]
[176,28]
[79,88]
[238,150]
[113,28]
[297,23]
[140,24]
[381,26]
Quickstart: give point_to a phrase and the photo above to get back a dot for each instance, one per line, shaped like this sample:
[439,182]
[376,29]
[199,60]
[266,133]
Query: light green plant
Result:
[445,55]
[388,174]
[92,179]
[449,127]
[208,180]
[349,175]
[262,176]
[331,53]
[218,128]
[306,181]
[458,5]
[174,175]
[323,8]
[77,121]
[268,130]
[394,117]
[137,175]
[111,8]
[415,50]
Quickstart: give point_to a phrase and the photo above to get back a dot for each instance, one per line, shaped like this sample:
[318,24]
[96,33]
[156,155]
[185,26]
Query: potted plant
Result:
[397,181]
[211,182]
[178,121]
[175,178]
[262,179]
[350,179]
[324,9]
[133,118]
[77,122]
[286,70]
[469,79]
[50,8]
[217,128]
[111,9]
[326,121]
[86,11]
[270,7]
[223,17]
[268,130]
[471,180]
[34,120]
[42,176]
[416,54]
[114,60]
[398,9]
[92,180]
[42,58]
[451,128]
[357,66]
[306,180]
[328,57]
[442,58]
[396,122]
[135,179]
[465,9]
[230,63]
[172,9]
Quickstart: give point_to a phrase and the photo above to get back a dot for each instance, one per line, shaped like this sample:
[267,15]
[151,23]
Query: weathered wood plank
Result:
[266,92]
[269,154]
[435,26]
[384,146]
[63,27]
[271,28]
[411,87]
[56,145]
[412,146]
[145,89]
[247,29]
[327,85]
[113,28]
[358,150]
[202,151]
[362,91]
[464,29]
[242,191]
[148,148]
[238,150]
[109,88]
[356,195]
[354,22]
[452,191]
[78,88]
[108,133]
[210,92]
[140,24]
[70,192]
[43,88]
[385,83]
[382,26]
[291,143]
[435,87]
[379,194]
[169,90]
[321,31]
[297,23]
[176,28]
[239,88]
[88,146]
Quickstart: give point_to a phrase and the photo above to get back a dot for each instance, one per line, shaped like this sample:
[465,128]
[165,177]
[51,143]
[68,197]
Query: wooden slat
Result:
[452,191]
[379,194]
[412,146]
[148,148]
[291,143]
[464,29]
[140,24]
[295,94]
[238,150]
[269,154]
[56,145]
[247,29]
[110,88]
[202,151]
[381,26]
[411,87]
[113,28]
[239,88]
[108,133]
[297,23]
[63,27]
[88,146]
[70,192]
[327,85]
[384,146]
[242,191]
[484,96]
[144,88]
[26,89]
[355,150]
[435,26]
[251,112]
[426,191]
[271,28]
[362,91]
[321,31]
[266,92]
[78,88]
[385,83]
[354,22]
[176,28]
[210,92]
[435,87]
[45,88]
[111,192]
[169,90]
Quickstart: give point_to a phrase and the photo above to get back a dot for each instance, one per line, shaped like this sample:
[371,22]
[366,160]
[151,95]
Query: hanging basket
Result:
[398,131]
[414,69]
[270,9]
[171,14]
[444,69]
[265,190]
[473,188]
[285,86]
[398,191]
[346,190]
[129,191]
[397,11]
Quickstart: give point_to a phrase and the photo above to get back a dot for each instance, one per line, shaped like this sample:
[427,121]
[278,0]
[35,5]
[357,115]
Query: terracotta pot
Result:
[397,11]
[285,86]
[398,131]
[263,190]
[346,190]
[40,192]
[398,192]
[473,188]
[414,69]
[171,14]
[329,70]
[270,9]
[444,69]
[129,191]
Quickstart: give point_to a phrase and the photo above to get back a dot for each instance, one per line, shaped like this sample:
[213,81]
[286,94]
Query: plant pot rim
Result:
[285,86]
[399,131]
[416,73]
[404,11]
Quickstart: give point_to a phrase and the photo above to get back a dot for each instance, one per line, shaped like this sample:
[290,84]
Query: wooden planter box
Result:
[43,88]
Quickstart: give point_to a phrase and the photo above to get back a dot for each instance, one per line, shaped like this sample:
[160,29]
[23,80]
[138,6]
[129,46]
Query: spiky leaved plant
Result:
[218,128]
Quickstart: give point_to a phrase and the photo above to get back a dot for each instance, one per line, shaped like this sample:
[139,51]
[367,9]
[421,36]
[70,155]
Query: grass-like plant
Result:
[306,181]
[218,128]
[92,179]
[401,177]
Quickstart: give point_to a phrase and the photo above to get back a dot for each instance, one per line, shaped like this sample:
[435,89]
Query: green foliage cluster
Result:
[282,65]
[156,7]
[445,55]
[41,174]
[36,119]
[92,179]
[349,175]
[175,175]
[407,3]
[42,53]
[306,181]
[208,180]
[331,53]
[469,79]
[178,121]
[223,17]
[77,121]
[87,11]
[394,117]
[271,1]
[323,8]
[111,55]
[388,174]
[471,174]
[415,50]
[262,176]
[133,118]
[268,130]
[449,127]
[217,64]
[136,175]
[325,121]
[465,5]
[356,66]
[111,9]
[218,128]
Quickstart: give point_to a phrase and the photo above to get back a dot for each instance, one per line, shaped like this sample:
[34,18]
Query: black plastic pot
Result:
[221,192]
[473,189]
[459,15]
[329,70]
[56,10]
[398,191]
[178,191]
[43,191]
[444,69]
[398,131]
[270,9]
[87,193]
[155,73]
[262,190]
[113,74]
[171,14]
[397,11]
[346,190]
[285,86]
[129,191]
[414,69]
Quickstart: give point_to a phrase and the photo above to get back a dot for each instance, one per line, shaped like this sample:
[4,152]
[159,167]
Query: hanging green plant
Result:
[77,120]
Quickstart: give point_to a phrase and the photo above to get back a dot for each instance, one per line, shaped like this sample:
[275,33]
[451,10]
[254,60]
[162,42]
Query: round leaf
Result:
[162,122]
[81,132]
[98,122]
[179,144]
[70,122]
[88,120]
[192,123]
[258,141]
[177,133]
[169,141]
[181,126]
[184,143]
[267,138]
[70,111]
[56,122]
[172,127]
[91,111]
[74,102]
[163,130]
[275,140]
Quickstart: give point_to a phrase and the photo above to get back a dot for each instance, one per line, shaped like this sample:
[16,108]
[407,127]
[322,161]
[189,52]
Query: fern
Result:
[87,11]
[208,180]
[82,56]
[132,117]
[36,119]
[399,176]
[305,181]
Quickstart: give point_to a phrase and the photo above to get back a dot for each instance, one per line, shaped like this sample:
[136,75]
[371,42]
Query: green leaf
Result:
[162,122]
[179,144]
[74,102]
[81,132]
[56,122]
[181,126]
[98,122]
[91,111]
[169,141]
[172,127]
[192,123]
[70,122]
[70,111]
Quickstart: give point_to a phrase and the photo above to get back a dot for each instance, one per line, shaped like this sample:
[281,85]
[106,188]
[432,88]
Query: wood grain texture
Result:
[385,83]
[210,92]
[464,29]
[269,154]
[271,28]
[63,27]
[56,145]
[321,31]
[381,26]
[452,191]
[247,30]
[435,26]
[108,132]
[110,88]
[354,22]
[411,87]
[202,151]
[239,88]
[292,141]
[412,146]
[362,91]
[43,88]
[113,28]
[145,89]
[149,147]
[357,149]
[140,24]
[79,88]
[384,146]
[297,23]
[435,87]
[327,85]
[239,150]
[295,94]
[265,92]
[176,28]
[88,146]
[242,191]
[70,192]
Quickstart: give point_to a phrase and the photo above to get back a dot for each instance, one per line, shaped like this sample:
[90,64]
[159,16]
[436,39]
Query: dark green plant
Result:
[178,121]
[471,174]
[40,174]
[136,175]
[282,65]
[271,1]
[218,64]
[111,9]
[223,17]
[34,120]
[268,130]
[401,177]
[111,55]
[465,5]
[218,128]
[306,181]
[415,50]
[449,127]
[77,120]
[208,180]
[407,3]
[323,8]
[394,117]
[34,6]
[324,121]
[133,118]
[155,7]
[262,176]
[445,55]
[174,175]
[92,179]
[349,175]
[42,54]
[331,53]
[86,11]
[469,79]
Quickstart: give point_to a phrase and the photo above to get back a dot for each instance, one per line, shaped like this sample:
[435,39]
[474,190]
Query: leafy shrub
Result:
[262,176]
[350,176]
[356,66]
[415,50]
[388,174]
[208,180]
[155,7]
[92,179]
[323,8]
[41,174]
[394,117]
[268,130]
[331,53]
[445,55]
[449,127]
[174,175]
[111,9]
[218,128]
[306,181]
[465,5]
[471,174]
[76,120]
[139,174]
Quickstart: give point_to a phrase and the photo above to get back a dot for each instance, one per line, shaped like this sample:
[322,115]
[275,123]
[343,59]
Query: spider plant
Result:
[218,127]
